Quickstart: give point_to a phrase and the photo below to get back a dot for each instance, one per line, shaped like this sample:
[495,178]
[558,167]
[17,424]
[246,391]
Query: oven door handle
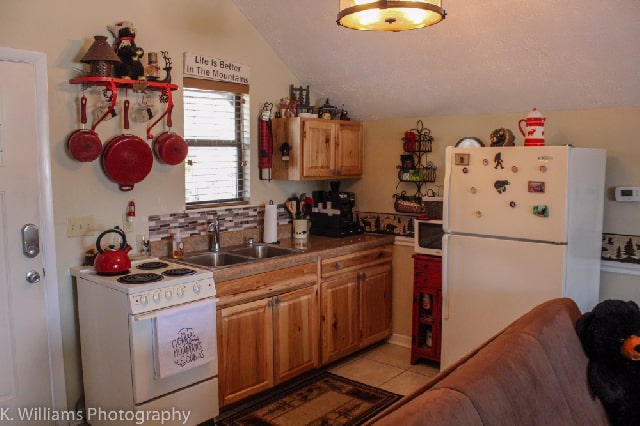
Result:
[153,314]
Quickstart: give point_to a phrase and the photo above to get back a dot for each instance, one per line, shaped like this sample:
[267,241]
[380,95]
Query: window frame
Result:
[240,94]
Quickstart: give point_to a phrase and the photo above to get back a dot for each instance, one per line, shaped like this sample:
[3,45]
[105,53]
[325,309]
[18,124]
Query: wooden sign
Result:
[209,68]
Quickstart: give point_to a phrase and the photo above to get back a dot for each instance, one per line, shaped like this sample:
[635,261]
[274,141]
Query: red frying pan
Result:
[84,144]
[127,160]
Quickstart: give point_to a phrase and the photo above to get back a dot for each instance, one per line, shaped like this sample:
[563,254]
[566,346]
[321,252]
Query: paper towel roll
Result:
[270,223]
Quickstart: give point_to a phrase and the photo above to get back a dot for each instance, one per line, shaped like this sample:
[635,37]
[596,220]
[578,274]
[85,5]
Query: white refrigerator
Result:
[522,225]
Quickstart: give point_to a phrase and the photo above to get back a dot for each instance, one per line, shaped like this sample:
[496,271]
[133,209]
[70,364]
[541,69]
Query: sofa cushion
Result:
[552,324]
[511,380]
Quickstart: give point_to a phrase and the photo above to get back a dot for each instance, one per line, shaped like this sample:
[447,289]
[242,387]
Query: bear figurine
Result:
[126,49]
[610,337]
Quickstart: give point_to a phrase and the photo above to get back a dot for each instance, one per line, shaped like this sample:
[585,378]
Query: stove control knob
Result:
[196,288]
[144,300]
[168,293]
[180,291]
[156,296]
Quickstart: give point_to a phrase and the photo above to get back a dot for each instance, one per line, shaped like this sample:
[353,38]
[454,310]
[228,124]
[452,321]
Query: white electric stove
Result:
[117,319]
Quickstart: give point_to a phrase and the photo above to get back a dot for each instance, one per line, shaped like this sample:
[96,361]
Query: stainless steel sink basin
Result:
[263,251]
[215,259]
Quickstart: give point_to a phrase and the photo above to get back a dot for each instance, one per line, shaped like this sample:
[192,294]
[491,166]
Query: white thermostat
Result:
[628,193]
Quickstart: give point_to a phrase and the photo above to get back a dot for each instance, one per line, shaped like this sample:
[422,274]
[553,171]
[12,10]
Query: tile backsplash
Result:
[163,227]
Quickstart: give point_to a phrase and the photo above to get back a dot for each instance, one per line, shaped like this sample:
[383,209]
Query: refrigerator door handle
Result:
[445,276]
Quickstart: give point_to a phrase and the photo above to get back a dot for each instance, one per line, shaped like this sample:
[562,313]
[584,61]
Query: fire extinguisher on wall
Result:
[131,211]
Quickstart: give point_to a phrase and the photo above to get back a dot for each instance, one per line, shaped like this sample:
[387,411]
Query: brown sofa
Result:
[532,373]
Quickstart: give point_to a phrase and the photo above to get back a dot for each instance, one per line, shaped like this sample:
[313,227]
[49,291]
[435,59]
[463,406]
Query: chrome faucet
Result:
[214,235]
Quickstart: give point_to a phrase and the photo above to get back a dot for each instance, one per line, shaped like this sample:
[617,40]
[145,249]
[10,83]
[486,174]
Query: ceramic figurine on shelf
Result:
[152,70]
[126,49]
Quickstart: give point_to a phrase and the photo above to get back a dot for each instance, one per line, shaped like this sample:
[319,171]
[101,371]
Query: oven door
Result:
[145,384]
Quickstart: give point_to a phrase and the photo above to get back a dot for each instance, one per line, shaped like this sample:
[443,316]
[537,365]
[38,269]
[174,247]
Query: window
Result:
[216,127]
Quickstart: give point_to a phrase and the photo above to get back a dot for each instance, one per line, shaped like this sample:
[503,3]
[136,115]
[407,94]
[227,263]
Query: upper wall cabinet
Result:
[318,149]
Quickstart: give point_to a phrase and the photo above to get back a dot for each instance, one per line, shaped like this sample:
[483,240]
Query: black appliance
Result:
[334,216]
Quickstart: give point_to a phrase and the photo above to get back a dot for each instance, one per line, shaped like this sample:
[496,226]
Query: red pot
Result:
[127,160]
[84,144]
[170,148]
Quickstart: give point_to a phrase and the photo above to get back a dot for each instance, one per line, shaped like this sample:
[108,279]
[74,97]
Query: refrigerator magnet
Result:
[541,210]
[536,186]
[462,159]
[501,185]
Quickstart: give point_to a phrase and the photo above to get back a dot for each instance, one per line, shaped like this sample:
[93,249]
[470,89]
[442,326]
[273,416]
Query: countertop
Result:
[312,248]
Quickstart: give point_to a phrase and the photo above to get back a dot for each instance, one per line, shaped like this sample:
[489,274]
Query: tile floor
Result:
[386,366]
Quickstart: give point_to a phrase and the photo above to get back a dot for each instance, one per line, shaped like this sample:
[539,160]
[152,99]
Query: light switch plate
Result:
[80,226]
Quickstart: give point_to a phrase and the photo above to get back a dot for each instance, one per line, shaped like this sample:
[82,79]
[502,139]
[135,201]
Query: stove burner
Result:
[141,278]
[152,265]
[178,272]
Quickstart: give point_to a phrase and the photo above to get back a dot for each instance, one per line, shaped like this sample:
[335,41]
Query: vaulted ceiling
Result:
[487,56]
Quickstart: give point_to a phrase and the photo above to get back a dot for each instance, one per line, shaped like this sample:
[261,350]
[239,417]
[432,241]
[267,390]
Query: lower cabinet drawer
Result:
[349,262]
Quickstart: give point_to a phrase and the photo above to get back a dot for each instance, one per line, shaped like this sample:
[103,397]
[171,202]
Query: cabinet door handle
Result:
[278,300]
[338,265]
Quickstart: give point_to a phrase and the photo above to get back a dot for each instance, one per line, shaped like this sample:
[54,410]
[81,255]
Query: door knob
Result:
[33,277]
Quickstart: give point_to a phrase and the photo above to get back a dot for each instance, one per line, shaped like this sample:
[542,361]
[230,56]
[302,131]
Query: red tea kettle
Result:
[113,261]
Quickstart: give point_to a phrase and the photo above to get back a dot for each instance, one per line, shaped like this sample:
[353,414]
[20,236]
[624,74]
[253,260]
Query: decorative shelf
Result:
[136,85]
[415,168]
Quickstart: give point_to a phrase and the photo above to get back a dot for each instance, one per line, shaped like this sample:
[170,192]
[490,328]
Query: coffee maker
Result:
[333,215]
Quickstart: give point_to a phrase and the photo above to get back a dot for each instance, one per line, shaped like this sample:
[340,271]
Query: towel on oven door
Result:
[185,337]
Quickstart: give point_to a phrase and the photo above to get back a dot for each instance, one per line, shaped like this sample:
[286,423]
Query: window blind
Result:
[216,127]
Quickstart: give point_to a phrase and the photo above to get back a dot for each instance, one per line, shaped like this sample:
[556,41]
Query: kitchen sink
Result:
[263,251]
[235,255]
[215,259]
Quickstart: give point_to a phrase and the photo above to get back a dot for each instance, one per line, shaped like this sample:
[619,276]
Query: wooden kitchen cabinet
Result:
[375,304]
[319,149]
[426,330]
[267,341]
[339,318]
[245,355]
[296,323]
[355,302]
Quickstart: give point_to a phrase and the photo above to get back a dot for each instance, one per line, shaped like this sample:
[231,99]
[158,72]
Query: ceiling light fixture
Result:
[389,15]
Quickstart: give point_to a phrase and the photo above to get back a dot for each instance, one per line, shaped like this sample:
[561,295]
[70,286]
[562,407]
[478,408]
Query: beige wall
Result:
[615,130]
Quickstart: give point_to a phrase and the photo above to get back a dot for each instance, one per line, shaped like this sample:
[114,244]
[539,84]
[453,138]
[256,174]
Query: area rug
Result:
[320,399]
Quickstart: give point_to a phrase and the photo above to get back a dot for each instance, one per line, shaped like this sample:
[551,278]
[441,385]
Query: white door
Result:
[30,350]
[513,192]
[488,283]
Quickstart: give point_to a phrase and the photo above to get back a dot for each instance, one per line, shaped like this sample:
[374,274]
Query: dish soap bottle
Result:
[178,246]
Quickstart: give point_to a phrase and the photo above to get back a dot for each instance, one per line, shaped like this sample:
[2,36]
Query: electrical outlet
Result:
[80,226]
[126,225]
